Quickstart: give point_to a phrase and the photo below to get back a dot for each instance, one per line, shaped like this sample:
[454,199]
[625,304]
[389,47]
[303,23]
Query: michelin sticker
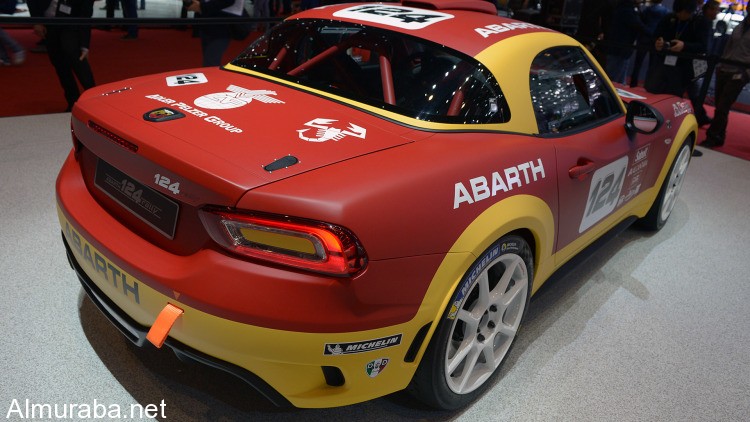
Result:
[236,97]
[361,346]
[326,132]
[398,16]
[606,185]
[186,79]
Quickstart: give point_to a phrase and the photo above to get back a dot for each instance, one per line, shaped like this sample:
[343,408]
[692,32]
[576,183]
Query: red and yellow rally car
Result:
[364,200]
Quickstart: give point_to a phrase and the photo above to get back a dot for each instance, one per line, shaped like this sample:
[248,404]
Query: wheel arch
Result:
[687,132]
[522,215]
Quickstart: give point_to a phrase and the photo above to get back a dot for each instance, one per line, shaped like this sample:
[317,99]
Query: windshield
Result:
[386,69]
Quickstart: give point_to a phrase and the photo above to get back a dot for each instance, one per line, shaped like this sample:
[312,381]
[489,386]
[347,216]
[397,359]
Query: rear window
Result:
[386,69]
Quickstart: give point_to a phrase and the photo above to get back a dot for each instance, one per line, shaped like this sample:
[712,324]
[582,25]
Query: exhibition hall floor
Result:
[652,327]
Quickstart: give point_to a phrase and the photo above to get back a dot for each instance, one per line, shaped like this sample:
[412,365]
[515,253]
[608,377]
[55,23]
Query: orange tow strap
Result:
[164,322]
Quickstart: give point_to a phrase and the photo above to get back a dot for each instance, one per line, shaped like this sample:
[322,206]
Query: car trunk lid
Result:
[226,132]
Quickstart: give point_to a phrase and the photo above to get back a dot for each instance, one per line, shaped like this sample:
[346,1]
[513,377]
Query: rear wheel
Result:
[664,204]
[478,328]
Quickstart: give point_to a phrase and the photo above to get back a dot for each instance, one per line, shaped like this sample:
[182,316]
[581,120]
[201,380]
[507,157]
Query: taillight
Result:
[301,243]
[76,143]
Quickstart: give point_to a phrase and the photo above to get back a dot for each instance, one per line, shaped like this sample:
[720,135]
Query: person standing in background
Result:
[260,11]
[730,79]
[310,4]
[8,43]
[8,7]
[129,10]
[708,13]
[36,10]
[624,30]
[594,19]
[651,16]
[67,45]
[677,35]
[215,38]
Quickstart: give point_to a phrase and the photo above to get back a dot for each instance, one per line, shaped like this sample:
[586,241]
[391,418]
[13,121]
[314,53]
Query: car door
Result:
[578,112]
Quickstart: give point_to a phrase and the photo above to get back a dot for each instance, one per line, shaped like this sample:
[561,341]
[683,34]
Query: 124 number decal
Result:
[164,182]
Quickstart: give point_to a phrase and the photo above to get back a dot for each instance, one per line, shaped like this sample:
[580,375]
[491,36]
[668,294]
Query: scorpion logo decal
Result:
[325,132]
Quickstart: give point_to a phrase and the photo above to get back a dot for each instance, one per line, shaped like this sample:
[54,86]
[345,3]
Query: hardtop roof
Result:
[466,27]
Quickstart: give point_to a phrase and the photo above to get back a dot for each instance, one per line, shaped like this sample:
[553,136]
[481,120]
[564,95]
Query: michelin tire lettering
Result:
[464,287]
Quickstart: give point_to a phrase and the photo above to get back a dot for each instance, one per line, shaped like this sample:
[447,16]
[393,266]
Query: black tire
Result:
[479,324]
[664,204]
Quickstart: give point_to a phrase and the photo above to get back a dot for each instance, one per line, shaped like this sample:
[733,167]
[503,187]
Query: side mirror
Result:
[642,118]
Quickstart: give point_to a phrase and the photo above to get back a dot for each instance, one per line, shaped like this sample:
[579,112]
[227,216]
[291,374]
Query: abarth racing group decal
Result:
[361,346]
[480,188]
[236,97]
[606,185]
[186,79]
[326,132]
[196,112]
[398,16]
[375,367]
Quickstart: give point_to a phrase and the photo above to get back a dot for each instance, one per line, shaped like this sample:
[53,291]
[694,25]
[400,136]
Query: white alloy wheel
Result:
[477,328]
[674,183]
[665,201]
[486,323]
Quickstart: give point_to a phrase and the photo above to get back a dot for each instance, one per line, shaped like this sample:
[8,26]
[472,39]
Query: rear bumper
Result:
[136,333]
[123,274]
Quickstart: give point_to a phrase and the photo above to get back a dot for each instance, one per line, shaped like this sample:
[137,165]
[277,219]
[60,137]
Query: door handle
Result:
[580,170]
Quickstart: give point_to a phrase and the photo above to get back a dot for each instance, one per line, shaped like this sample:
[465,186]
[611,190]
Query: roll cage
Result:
[387,69]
